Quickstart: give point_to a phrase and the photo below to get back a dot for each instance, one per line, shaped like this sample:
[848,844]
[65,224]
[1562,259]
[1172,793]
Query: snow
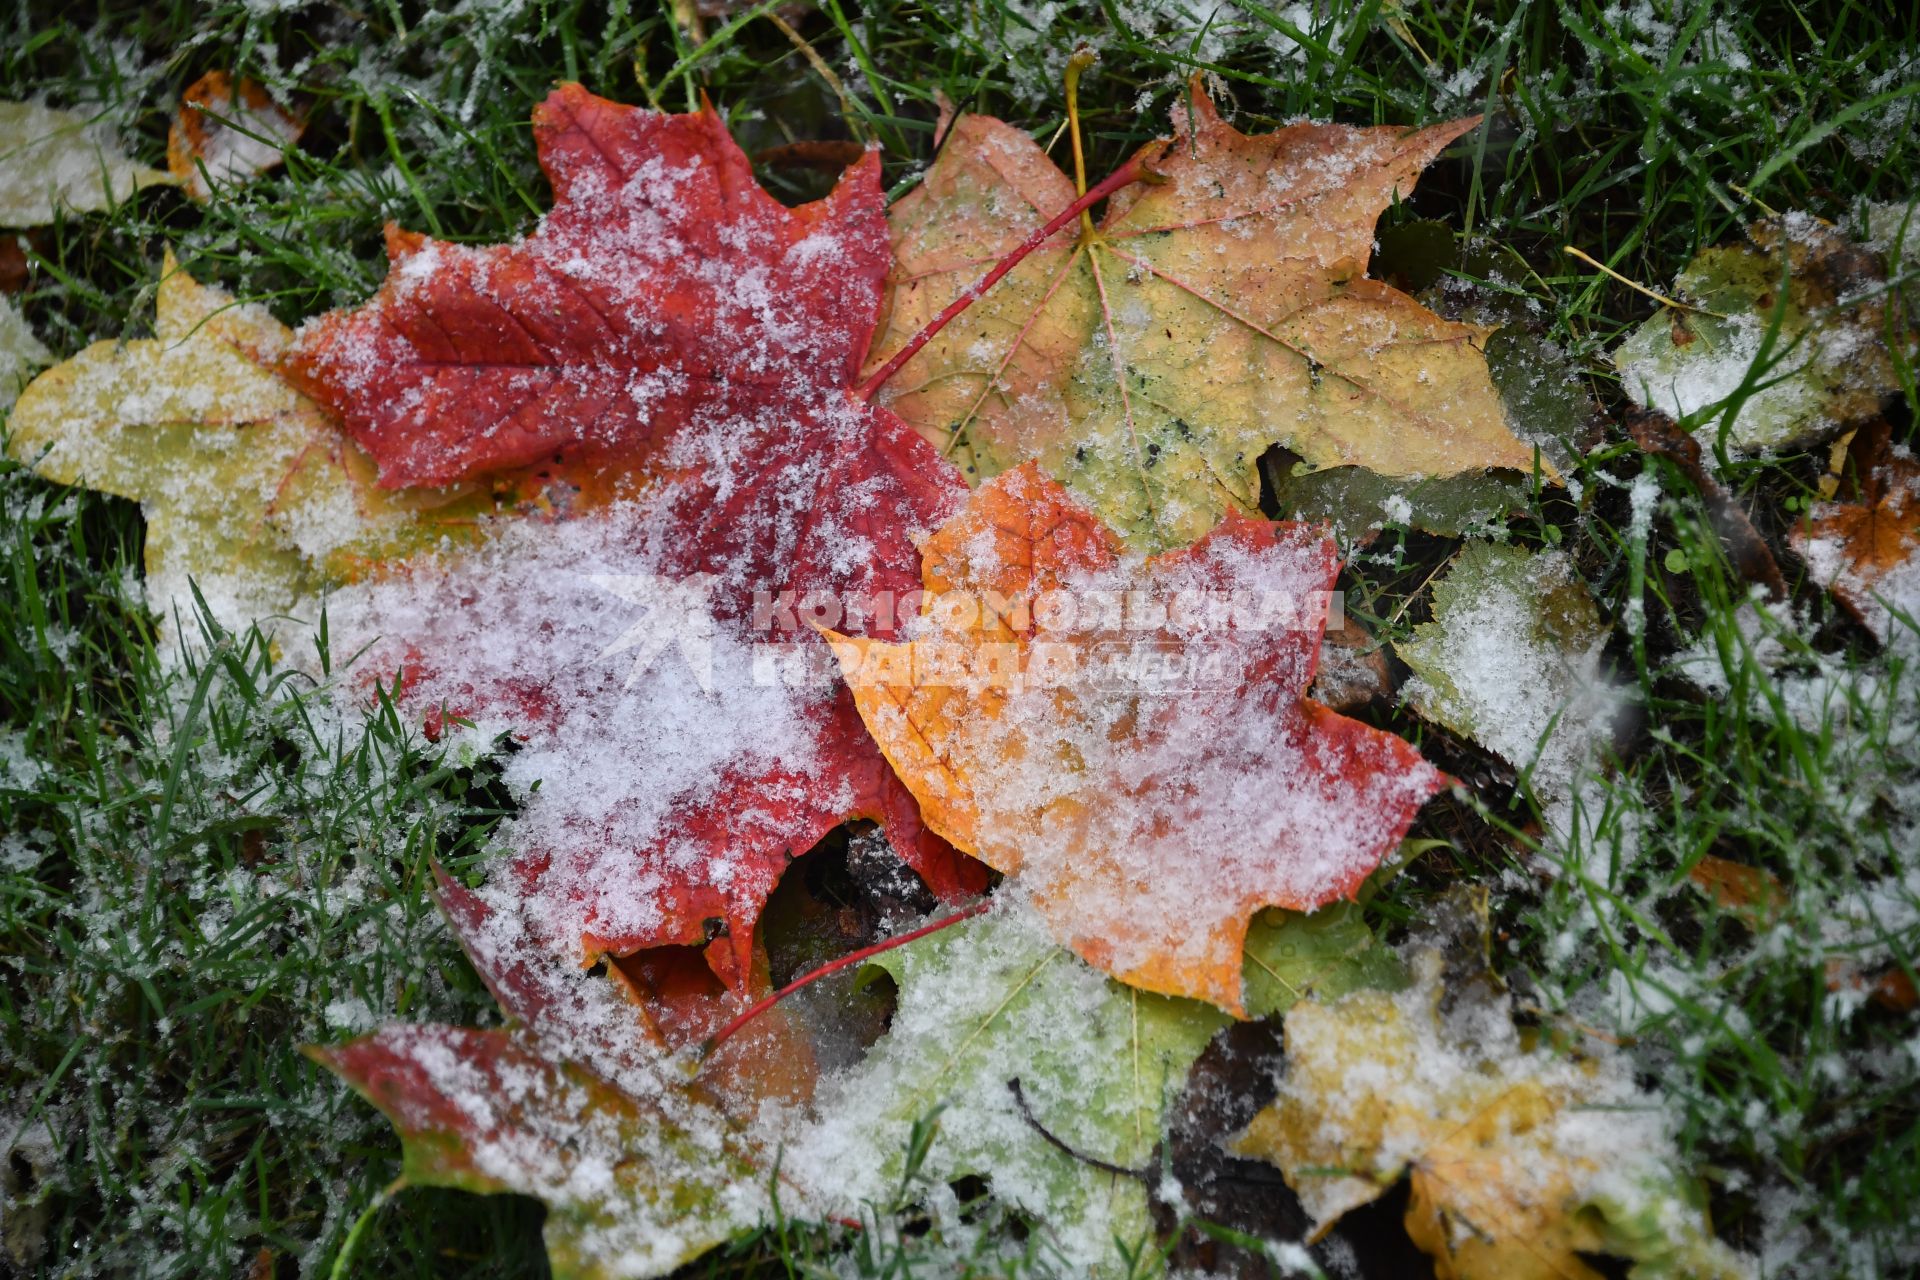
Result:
[616,747]
[20,352]
[1145,770]
[1525,682]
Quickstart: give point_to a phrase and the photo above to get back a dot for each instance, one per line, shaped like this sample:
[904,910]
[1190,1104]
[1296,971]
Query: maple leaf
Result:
[1868,552]
[992,1001]
[1797,319]
[247,488]
[225,133]
[584,1102]
[53,160]
[1148,825]
[1522,1161]
[673,327]
[1512,660]
[665,290]
[1149,363]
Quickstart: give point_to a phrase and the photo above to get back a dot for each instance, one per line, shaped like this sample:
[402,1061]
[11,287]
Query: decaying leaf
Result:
[1802,294]
[1523,1161]
[51,160]
[225,133]
[1353,668]
[665,290]
[1868,552]
[1219,310]
[1131,741]
[20,352]
[247,488]
[1512,660]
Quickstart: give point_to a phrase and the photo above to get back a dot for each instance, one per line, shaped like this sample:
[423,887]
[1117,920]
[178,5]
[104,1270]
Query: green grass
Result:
[201,870]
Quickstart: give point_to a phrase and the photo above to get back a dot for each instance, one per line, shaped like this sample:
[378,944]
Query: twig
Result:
[1026,1113]
[1657,296]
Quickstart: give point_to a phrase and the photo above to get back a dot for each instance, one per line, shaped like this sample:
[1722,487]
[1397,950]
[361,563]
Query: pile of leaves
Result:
[744,534]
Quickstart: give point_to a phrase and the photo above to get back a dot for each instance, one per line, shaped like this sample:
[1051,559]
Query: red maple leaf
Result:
[665,288]
[681,735]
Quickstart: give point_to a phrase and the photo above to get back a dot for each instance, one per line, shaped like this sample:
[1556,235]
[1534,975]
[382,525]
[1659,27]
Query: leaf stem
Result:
[760,1006]
[1083,57]
[1132,171]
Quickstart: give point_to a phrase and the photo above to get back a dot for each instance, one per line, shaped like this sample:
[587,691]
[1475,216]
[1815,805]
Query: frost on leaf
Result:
[20,352]
[226,134]
[664,290]
[247,488]
[584,1102]
[1796,322]
[990,1002]
[1130,739]
[1220,310]
[1523,1161]
[52,160]
[681,736]
[1512,660]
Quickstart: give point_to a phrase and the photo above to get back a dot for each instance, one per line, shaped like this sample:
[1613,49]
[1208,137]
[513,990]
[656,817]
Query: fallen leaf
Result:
[1868,552]
[671,326]
[1753,893]
[664,291]
[20,352]
[645,1157]
[1353,668]
[226,133]
[1522,1161]
[634,1179]
[1829,362]
[1147,819]
[247,488]
[1512,660]
[1220,310]
[55,160]
[993,1001]
[674,751]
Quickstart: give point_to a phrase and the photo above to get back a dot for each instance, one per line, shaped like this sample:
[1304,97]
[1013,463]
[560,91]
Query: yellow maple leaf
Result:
[247,487]
[1216,311]
[1520,1160]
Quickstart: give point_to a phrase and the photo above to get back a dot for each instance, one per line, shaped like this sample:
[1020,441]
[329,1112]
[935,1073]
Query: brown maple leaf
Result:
[1130,740]
[1868,552]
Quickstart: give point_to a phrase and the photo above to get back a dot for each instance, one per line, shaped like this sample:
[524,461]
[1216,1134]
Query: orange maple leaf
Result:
[1868,552]
[1131,739]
